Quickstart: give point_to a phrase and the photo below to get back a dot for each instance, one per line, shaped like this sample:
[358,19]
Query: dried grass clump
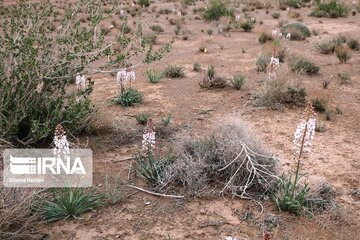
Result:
[343,54]
[16,220]
[326,46]
[281,92]
[230,161]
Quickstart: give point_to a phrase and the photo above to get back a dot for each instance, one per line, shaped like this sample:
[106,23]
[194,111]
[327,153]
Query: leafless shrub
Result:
[113,189]
[16,219]
[230,161]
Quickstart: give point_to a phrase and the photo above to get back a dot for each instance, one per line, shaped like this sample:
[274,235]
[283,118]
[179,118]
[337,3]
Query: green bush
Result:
[174,71]
[238,81]
[217,9]
[298,31]
[320,105]
[211,80]
[151,166]
[342,54]
[153,77]
[295,96]
[247,26]
[157,28]
[331,9]
[129,97]
[38,67]
[142,118]
[353,44]
[284,4]
[262,63]
[35,76]
[328,114]
[144,3]
[275,15]
[188,2]
[125,28]
[302,65]
[344,78]
[264,37]
[196,67]
[327,46]
[290,196]
[69,203]
[279,93]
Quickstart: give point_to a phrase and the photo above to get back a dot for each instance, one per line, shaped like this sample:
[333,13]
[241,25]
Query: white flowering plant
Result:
[61,144]
[291,196]
[150,164]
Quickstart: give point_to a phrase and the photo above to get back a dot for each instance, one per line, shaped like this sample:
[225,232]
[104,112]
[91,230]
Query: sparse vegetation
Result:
[144,3]
[181,144]
[142,118]
[210,79]
[129,97]
[238,81]
[303,65]
[320,105]
[284,4]
[275,94]
[344,78]
[153,77]
[174,71]
[157,28]
[353,44]
[262,62]
[342,54]
[264,37]
[247,26]
[196,67]
[331,9]
[151,167]
[327,46]
[217,9]
[17,218]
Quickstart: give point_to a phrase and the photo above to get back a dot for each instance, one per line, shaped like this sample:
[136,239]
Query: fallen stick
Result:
[122,160]
[154,193]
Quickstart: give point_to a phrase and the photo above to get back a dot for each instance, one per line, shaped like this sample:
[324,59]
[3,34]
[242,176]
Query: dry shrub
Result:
[326,46]
[230,161]
[116,130]
[342,53]
[210,79]
[275,46]
[303,65]
[281,92]
[16,220]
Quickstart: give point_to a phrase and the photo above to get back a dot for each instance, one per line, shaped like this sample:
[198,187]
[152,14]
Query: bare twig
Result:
[154,193]
[122,160]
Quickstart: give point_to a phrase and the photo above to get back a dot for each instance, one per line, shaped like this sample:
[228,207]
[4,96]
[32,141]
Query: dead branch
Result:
[154,193]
